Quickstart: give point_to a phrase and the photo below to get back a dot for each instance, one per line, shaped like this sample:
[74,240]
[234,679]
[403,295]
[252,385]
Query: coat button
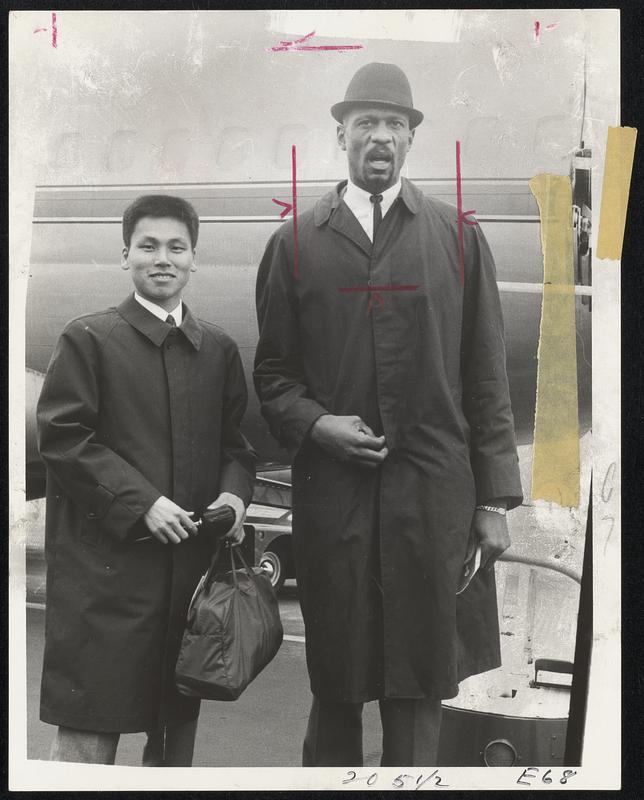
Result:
[369,282]
[91,515]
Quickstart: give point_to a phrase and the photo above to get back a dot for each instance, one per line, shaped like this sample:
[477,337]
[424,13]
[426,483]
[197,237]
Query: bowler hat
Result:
[379,84]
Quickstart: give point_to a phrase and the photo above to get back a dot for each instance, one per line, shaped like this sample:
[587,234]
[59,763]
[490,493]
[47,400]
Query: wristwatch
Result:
[495,509]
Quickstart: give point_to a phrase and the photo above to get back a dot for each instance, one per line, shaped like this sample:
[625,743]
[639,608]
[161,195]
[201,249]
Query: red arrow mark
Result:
[287,206]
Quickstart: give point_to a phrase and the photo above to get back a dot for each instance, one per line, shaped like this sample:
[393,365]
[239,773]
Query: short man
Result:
[394,405]
[139,429]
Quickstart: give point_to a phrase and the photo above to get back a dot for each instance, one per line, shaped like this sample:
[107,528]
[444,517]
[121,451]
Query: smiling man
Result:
[384,375]
[139,429]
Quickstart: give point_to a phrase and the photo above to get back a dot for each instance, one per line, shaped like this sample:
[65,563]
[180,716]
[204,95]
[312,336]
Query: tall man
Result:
[394,405]
[139,429]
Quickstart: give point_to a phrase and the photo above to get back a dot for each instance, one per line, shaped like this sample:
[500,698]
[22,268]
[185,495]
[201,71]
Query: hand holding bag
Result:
[233,630]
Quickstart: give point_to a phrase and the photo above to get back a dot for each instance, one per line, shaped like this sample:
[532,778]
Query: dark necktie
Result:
[170,320]
[376,199]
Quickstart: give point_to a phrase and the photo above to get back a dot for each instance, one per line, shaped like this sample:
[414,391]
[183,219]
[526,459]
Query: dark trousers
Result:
[410,731]
[167,747]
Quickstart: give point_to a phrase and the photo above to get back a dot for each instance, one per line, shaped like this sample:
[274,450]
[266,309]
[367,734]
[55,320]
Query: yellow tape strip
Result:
[618,166]
[555,461]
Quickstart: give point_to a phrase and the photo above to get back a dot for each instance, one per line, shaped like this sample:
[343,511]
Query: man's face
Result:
[377,141]
[161,257]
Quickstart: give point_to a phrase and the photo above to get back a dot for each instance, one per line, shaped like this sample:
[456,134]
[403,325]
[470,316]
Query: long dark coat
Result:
[130,410]
[378,553]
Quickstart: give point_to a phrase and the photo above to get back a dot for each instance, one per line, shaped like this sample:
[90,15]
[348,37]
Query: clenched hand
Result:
[349,439]
[168,522]
[492,532]
[236,533]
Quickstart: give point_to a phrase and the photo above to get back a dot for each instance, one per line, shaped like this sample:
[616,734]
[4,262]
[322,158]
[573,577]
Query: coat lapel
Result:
[155,329]
[333,209]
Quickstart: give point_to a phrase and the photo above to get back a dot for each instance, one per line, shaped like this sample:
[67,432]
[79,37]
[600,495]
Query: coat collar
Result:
[410,195]
[155,329]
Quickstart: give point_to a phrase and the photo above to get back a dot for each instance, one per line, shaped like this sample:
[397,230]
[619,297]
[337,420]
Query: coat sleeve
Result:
[102,484]
[238,458]
[279,373]
[486,396]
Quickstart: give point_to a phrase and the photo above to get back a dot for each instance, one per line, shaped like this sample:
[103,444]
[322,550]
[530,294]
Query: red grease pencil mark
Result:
[537,29]
[54,30]
[297,44]
[462,216]
[294,205]
[287,206]
[375,296]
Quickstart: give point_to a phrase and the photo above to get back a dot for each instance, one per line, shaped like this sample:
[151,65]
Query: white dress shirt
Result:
[362,208]
[159,312]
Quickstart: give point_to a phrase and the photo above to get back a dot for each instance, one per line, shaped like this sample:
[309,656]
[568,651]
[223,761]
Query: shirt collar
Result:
[358,199]
[151,326]
[410,195]
[159,312]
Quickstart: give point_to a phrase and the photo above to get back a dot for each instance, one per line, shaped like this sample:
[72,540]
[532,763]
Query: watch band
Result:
[495,509]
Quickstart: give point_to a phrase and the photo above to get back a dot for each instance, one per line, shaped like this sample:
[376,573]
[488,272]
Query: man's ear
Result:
[341,140]
[193,267]
[412,133]
[124,254]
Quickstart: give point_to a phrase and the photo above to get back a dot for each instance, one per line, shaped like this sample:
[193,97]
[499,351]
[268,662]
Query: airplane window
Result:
[67,150]
[122,151]
[555,136]
[235,147]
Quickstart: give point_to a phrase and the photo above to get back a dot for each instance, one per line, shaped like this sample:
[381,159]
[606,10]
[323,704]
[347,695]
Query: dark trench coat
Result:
[130,410]
[378,553]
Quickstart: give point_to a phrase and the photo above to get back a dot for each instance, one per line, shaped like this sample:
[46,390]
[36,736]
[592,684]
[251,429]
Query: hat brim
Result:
[340,109]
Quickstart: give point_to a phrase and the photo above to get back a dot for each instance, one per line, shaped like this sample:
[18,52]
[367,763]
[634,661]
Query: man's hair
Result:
[160,205]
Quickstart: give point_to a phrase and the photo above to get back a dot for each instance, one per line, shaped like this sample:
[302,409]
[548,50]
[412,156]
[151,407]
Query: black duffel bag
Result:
[233,630]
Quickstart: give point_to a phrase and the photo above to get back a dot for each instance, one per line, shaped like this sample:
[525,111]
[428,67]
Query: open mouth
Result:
[379,160]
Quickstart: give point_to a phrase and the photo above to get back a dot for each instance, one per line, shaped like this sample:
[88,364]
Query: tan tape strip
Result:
[555,461]
[618,166]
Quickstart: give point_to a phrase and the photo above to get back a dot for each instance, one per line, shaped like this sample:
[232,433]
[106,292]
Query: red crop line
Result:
[54,30]
[294,191]
[328,47]
[348,289]
[459,206]
[296,44]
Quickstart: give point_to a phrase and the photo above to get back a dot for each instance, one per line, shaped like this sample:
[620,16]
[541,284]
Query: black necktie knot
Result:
[376,200]
[170,320]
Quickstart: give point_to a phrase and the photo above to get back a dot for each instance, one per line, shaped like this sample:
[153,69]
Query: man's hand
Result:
[168,522]
[236,533]
[492,531]
[349,439]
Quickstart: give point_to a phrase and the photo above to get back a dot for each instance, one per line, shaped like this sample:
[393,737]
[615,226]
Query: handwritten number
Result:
[568,773]
[372,779]
[607,484]
[546,777]
[352,778]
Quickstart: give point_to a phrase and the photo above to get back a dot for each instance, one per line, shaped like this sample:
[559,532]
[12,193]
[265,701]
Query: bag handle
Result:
[237,551]
[233,551]
[213,562]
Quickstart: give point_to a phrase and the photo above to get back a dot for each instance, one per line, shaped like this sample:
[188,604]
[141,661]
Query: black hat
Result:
[379,85]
